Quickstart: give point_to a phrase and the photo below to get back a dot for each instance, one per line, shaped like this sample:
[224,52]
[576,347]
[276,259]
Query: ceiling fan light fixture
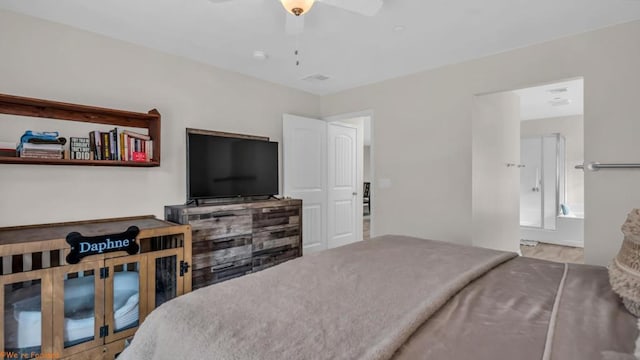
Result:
[297,7]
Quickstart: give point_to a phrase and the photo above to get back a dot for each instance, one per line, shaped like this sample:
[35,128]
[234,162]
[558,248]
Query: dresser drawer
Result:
[215,274]
[269,258]
[268,217]
[207,253]
[277,237]
[217,225]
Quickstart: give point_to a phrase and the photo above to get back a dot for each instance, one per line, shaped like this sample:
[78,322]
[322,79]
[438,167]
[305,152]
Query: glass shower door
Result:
[530,182]
[550,181]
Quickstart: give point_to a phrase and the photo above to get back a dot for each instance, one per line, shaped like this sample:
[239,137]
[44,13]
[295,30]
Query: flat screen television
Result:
[225,167]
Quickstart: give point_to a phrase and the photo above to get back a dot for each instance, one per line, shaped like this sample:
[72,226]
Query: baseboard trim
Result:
[578,244]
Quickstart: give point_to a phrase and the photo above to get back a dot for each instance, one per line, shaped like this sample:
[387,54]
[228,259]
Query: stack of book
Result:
[41,145]
[122,145]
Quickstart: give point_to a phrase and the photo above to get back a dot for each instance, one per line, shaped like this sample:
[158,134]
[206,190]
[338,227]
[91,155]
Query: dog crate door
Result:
[166,276]
[78,307]
[26,302]
[124,294]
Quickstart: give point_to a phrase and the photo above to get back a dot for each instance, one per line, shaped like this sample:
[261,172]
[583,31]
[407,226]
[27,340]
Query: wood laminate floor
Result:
[554,253]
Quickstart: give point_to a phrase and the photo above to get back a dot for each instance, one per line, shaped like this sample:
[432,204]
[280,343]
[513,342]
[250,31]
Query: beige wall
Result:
[422,133]
[572,128]
[46,60]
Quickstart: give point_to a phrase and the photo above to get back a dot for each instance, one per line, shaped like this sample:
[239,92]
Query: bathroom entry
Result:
[525,188]
[551,188]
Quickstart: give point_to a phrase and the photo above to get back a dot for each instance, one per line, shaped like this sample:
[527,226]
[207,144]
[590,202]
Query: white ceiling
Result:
[351,49]
[552,100]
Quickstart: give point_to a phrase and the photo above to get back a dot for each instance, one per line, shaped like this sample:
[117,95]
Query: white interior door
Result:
[304,148]
[344,210]
[495,174]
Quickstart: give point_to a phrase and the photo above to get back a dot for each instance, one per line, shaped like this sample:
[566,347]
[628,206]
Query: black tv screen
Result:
[219,166]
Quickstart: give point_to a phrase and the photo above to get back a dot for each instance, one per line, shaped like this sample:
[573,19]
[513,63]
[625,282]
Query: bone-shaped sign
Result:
[82,246]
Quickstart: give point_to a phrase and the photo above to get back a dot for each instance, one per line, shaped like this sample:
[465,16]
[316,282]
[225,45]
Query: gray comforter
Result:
[395,297]
[519,310]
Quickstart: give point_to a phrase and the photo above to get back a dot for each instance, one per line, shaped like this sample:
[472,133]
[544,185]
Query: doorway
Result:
[324,166]
[527,195]
[551,188]
[366,169]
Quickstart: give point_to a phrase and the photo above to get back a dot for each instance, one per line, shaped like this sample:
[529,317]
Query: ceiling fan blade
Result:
[294,24]
[362,7]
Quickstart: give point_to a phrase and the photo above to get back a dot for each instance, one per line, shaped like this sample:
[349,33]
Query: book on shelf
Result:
[44,153]
[139,156]
[93,145]
[80,148]
[42,156]
[137,135]
[44,147]
[104,140]
[149,150]
[125,146]
[114,144]
[111,145]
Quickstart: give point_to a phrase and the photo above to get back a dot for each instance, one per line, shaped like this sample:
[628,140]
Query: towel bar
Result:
[595,166]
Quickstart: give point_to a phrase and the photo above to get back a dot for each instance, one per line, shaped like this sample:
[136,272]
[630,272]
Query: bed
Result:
[397,297]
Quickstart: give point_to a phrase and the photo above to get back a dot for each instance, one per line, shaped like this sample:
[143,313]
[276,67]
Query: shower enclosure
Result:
[542,180]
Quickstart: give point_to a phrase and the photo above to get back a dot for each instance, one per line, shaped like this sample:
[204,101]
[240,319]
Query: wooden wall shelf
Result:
[35,161]
[24,106]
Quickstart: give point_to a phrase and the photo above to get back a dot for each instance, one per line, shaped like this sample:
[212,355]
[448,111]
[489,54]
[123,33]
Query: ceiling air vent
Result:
[315,78]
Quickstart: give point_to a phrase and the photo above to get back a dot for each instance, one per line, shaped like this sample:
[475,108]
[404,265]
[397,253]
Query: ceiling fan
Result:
[298,8]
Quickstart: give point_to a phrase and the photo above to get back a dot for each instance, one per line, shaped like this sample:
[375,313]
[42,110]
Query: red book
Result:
[139,156]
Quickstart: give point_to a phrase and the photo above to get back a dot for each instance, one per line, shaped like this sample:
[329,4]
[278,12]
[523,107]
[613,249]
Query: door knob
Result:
[354,193]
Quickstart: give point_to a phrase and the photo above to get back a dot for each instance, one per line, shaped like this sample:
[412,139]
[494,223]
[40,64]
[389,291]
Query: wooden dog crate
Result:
[87,310]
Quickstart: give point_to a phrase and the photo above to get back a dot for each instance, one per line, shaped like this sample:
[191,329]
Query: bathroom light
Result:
[297,7]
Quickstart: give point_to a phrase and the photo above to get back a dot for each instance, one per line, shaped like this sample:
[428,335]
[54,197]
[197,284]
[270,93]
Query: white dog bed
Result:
[78,310]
